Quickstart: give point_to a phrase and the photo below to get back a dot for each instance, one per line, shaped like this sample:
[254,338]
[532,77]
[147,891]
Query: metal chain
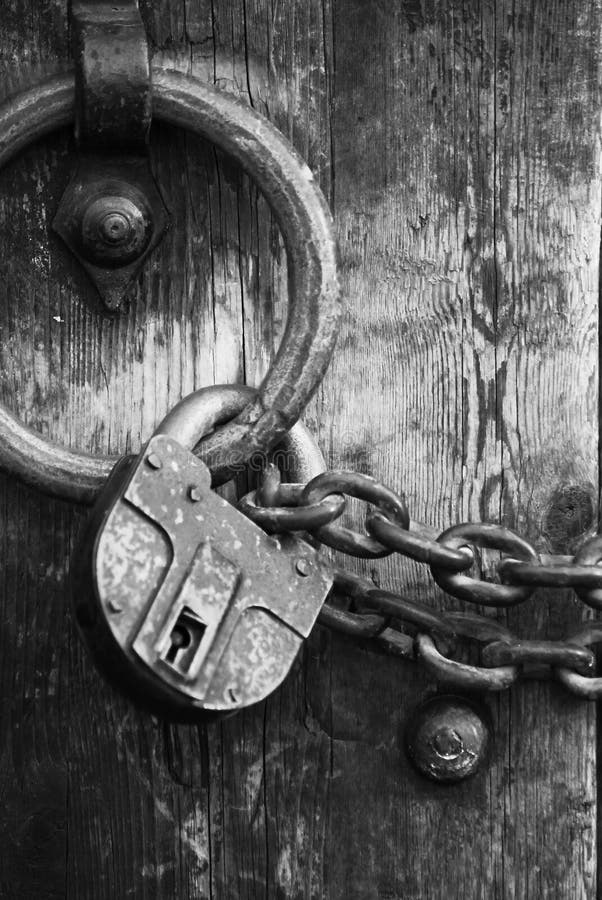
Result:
[462,650]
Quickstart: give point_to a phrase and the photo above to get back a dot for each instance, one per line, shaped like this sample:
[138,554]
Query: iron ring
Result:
[307,229]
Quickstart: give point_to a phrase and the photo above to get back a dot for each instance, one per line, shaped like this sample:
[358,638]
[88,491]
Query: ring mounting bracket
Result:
[112,214]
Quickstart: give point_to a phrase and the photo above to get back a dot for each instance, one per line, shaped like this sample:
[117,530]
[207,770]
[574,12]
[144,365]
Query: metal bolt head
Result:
[115,230]
[111,216]
[447,739]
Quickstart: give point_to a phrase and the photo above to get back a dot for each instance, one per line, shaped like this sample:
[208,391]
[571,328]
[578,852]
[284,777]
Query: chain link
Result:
[461,649]
[363,487]
[290,516]
[477,590]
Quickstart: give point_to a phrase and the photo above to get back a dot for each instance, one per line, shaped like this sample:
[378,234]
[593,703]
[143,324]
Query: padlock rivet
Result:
[303,567]
[154,461]
[194,493]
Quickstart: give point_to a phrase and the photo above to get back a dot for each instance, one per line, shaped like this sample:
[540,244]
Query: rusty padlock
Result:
[185,604]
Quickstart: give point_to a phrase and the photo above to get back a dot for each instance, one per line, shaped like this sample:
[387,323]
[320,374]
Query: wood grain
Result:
[459,146]
[470,226]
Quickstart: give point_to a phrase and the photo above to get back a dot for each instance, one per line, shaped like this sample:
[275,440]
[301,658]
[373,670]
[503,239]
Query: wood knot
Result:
[568,516]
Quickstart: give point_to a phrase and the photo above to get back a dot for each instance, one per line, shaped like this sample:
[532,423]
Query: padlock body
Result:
[184,602]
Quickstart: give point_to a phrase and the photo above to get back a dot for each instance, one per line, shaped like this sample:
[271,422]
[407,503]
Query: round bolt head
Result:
[447,739]
[115,230]
[111,210]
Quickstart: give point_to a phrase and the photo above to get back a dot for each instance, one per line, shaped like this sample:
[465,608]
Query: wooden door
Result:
[458,143]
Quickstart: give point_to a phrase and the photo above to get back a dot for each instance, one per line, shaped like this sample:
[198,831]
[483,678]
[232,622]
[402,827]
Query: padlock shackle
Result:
[202,412]
[199,413]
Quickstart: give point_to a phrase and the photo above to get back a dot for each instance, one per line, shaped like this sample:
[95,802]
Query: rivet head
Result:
[194,493]
[303,567]
[447,739]
[154,461]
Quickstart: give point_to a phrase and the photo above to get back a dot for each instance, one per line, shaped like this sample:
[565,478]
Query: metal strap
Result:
[113,99]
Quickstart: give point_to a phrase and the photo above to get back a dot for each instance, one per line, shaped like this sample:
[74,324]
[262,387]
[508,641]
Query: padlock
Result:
[185,604]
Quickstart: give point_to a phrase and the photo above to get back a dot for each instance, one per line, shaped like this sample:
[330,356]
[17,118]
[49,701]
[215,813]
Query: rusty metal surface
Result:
[183,601]
[590,554]
[444,640]
[296,457]
[364,487]
[113,77]
[416,546]
[475,590]
[411,612]
[176,562]
[111,217]
[294,518]
[452,672]
[579,577]
[314,304]
[551,653]
[588,635]
[447,739]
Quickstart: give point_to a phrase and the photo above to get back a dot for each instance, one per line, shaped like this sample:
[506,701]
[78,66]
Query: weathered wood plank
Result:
[469,222]
[459,145]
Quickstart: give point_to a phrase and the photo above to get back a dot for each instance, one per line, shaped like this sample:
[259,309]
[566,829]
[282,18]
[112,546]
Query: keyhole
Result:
[180,639]
[184,641]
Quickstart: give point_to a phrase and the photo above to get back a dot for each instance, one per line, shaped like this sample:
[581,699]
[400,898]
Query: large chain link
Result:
[462,650]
